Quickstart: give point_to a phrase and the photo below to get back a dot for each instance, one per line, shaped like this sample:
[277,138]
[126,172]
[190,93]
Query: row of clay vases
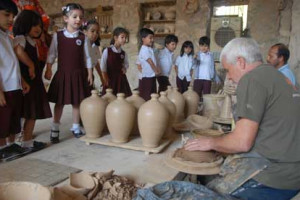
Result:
[137,102]
[191,102]
[170,106]
[153,119]
[92,112]
[179,102]
[120,118]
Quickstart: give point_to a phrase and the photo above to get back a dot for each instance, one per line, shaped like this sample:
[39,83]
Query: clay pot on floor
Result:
[92,113]
[135,99]
[153,119]
[137,102]
[120,116]
[169,89]
[24,191]
[178,99]
[109,96]
[170,106]
[191,102]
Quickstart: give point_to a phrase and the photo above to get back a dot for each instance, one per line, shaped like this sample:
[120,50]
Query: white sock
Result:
[76,128]
[28,143]
[54,134]
[55,126]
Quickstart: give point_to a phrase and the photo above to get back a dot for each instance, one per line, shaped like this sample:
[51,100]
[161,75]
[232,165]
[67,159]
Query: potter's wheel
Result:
[192,167]
[222,120]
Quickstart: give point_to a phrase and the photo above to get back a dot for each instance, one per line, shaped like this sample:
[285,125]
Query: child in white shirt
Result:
[165,62]
[148,63]
[205,70]
[184,66]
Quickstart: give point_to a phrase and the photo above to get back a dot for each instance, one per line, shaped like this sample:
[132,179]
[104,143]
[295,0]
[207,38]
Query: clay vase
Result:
[169,105]
[109,96]
[136,101]
[120,116]
[178,99]
[24,191]
[169,89]
[212,104]
[226,110]
[191,102]
[153,119]
[92,113]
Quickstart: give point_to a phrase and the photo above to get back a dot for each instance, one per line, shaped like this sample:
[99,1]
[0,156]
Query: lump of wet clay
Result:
[196,156]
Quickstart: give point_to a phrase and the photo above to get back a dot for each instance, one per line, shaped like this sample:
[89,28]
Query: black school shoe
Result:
[38,146]
[77,135]
[54,140]
[12,152]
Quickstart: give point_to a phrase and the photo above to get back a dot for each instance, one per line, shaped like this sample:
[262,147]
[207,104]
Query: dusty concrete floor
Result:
[75,153]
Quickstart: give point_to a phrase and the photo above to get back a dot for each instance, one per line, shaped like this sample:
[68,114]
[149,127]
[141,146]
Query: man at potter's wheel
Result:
[266,139]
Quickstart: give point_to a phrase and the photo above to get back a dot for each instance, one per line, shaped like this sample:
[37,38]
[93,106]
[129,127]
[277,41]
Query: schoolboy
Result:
[148,63]
[165,62]
[205,70]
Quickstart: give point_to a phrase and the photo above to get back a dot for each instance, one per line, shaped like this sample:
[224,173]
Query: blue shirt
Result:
[285,69]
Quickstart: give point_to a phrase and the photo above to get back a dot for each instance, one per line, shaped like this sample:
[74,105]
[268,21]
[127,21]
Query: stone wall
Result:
[295,39]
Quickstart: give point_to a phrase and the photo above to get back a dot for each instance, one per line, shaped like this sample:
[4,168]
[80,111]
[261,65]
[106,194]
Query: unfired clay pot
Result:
[92,112]
[120,116]
[109,96]
[212,104]
[153,120]
[24,191]
[136,101]
[170,106]
[169,89]
[191,102]
[178,99]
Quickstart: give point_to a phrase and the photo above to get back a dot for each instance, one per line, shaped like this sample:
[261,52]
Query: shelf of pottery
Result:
[104,17]
[159,17]
[132,123]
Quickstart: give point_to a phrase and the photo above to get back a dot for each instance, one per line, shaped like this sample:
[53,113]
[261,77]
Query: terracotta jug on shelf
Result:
[170,106]
[92,112]
[120,116]
[153,120]
[109,96]
[191,102]
[137,102]
[178,99]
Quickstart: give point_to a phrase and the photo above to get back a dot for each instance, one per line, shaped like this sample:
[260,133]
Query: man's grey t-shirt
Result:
[264,96]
